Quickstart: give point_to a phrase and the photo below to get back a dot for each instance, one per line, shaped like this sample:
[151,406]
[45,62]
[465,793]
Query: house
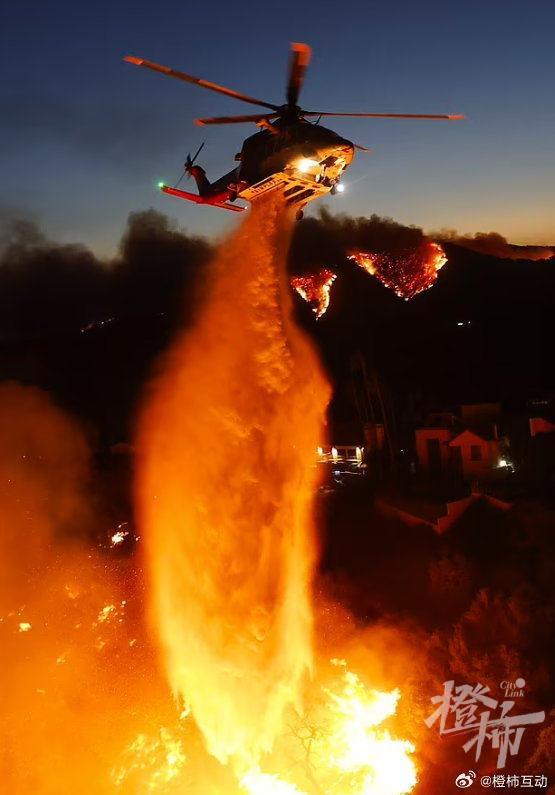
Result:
[475,455]
[465,446]
[432,449]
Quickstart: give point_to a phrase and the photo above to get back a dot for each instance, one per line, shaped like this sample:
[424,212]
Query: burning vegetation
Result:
[315,289]
[407,273]
[400,257]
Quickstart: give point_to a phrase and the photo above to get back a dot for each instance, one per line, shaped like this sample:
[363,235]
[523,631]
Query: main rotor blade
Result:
[451,117]
[300,58]
[364,149]
[256,117]
[229,92]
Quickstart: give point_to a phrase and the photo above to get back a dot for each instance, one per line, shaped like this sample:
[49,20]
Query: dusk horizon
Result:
[86,137]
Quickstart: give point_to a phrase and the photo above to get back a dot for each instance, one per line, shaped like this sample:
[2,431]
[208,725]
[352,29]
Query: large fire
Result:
[225,482]
[315,289]
[406,273]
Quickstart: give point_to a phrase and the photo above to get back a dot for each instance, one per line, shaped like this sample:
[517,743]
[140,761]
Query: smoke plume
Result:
[494,245]
[327,239]
[47,288]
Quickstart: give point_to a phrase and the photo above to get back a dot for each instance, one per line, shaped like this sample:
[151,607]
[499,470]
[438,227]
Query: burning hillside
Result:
[315,289]
[407,273]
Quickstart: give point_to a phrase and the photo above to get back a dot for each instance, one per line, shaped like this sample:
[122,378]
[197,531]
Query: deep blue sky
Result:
[84,137]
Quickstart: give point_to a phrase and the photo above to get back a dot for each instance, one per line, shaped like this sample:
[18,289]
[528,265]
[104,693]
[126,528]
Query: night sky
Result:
[84,138]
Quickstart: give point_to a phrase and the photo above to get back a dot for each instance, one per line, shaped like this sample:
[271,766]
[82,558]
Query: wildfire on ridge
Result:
[406,273]
[315,289]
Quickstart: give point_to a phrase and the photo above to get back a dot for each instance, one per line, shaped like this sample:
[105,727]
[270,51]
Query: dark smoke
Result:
[88,330]
[47,288]
[494,245]
[326,239]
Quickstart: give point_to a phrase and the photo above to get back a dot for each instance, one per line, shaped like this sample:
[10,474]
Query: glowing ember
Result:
[120,535]
[24,626]
[315,289]
[407,273]
[106,612]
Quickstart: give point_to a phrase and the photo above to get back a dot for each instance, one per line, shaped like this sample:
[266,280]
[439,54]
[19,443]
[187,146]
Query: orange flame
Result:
[224,491]
[339,744]
[408,273]
[315,289]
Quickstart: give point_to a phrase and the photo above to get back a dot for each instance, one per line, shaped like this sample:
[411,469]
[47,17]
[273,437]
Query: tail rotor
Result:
[189,163]
[191,160]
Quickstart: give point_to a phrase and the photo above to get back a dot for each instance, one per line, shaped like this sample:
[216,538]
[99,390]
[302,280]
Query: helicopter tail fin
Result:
[199,175]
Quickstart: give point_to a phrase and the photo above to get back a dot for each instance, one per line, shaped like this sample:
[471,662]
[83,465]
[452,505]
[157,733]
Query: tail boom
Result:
[217,200]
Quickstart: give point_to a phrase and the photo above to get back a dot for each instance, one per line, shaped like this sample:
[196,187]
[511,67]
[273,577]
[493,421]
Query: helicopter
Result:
[290,153]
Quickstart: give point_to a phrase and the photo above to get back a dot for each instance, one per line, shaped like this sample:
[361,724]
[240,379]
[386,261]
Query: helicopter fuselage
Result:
[299,151]
[299,159]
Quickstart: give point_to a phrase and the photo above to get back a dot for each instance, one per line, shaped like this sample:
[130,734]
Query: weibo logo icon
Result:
[465,780]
